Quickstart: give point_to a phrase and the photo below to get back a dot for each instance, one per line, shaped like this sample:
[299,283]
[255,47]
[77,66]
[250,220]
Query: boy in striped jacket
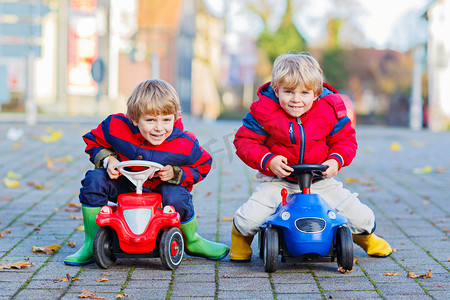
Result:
[151,130]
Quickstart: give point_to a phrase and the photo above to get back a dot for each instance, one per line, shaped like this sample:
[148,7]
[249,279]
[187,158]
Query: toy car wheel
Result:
[102,247]
[271,250]
[344,248]
[261,243]
[171,248]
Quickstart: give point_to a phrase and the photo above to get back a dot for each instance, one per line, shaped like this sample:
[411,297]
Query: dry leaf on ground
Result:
[102,280]
[4,232]
[227,219]
[429,274]
[120,296]
[344,271]
[392,274]
[46,249]
[11,183]
[17,265]
[88,294]
[67,278]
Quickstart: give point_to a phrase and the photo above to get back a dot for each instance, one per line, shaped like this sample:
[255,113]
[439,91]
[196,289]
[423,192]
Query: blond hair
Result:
[153,97]
[294,70]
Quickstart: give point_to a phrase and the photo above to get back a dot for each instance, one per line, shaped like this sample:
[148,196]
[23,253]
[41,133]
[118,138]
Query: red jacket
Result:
[323,132]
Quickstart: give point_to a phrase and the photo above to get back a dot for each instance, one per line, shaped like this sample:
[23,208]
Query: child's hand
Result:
[166,173]
[333,168]
[112,172]
[279,167]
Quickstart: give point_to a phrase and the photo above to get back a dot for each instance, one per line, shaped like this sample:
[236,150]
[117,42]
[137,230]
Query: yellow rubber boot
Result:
[240,250]
[373,244]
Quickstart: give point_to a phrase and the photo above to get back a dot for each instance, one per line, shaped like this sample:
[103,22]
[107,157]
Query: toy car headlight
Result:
[106,210]
[310,225]
[137,219]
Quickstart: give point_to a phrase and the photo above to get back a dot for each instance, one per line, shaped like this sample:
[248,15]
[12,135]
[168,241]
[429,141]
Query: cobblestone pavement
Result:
[402,175]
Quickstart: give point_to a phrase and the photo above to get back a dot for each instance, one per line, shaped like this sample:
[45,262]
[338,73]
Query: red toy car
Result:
[138,226]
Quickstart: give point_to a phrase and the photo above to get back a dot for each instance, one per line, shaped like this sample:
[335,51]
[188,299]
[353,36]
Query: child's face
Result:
[295,101]
[155,129]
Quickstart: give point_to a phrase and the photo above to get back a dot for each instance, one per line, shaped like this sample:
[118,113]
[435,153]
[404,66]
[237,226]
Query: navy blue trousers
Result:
[97,189]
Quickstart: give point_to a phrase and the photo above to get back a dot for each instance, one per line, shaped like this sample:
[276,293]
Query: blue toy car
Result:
[305,227]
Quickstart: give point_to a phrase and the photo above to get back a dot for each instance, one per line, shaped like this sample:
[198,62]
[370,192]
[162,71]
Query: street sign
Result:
[24,9]
[98,70]
[19,50]
[4,91]
[20,29]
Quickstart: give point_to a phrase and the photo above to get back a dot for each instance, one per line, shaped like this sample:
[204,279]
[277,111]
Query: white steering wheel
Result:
[139,177]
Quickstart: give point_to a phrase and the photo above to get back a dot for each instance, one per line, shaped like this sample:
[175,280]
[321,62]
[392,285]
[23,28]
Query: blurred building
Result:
[438,59]
[88,55]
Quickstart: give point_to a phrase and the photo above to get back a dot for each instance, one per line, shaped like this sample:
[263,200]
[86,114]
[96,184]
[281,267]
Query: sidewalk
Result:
[402,175]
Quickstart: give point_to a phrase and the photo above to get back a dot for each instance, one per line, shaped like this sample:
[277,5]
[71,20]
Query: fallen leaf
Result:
[80,228]
[6,198]
[208,194]
[102,280]
[37,228]
[425,202]
[424,170]
[351,180]
[16,146]
[120,296]
[77,205]
[71,244]
[18,265]
[76,217]
[4,232]
[429,274]
[28,223]
[86,294]
[392,274]
[440,170]
[11,183]
[448,258]
[46,249]
[13,175]
[369,183]
[395,146]
[344,271]
[227,219]
[55,136]
[394,250]
[67,278]
[105,274]
[446,230]
[37,185]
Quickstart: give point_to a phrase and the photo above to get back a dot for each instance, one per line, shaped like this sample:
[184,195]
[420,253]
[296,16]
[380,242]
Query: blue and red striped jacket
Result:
[117,134]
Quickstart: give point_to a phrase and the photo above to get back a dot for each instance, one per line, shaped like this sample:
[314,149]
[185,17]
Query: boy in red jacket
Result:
[298,119]
[151,130]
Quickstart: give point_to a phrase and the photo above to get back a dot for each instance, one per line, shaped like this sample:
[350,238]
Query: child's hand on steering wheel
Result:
[110,169]
[278,165]
[166,173]
[333,168]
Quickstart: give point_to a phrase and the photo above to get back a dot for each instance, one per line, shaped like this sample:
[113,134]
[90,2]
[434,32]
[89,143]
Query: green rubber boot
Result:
[195,245]
[85,255]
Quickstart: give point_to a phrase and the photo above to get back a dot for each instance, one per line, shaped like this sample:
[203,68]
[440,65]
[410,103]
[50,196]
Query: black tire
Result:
[271,249]
[102,247]
[171,248]
[344,248]
[261,243]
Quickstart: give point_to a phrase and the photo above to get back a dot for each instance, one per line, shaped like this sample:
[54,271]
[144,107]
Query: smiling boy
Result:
[298,119]
[152,130]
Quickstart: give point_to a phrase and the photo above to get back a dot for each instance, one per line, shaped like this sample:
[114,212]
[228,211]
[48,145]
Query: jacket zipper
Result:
[302,141]
[292,132]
